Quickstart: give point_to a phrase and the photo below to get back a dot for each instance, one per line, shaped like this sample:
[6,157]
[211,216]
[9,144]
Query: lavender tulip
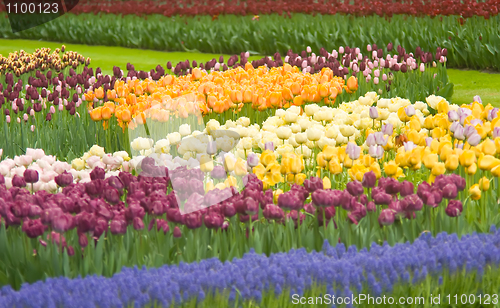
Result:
[353,151]
[478,99]
[453,116]
[269,146]
[252,160]
[376,151]
[496,132]
[410,111]
[474,139]
[373,112]
[492,114]
[387,129]
[370,140]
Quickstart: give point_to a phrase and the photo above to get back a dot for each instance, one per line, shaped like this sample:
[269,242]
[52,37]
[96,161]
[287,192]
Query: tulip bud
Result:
[83,240]
[177,232]
[30,176]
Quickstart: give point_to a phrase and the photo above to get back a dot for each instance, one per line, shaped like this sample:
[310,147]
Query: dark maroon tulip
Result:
[100,227]
[33,228]
[309,208]
[290,200]
[2,180]
[363,199]
[34,211]
[313,184]
[118,226]
[218,172]
[229,210]
[346,200]
[450,191]
[355,188]
[273,212]
[406,189]
[369,179]
[18,181]
[83,240]
[386,217]
[213,220]
[94,188]
[97,173]
[322,198]
[137,223]
[329,214]
[193,220]
[392,186]
[162,225]
[397,206]
[70,250]
[62,222]
[371,207]
[174,215]
[458,180]
[413,203]
[111,195]
[423,187]
[64,179]
[177,232]
[454,208]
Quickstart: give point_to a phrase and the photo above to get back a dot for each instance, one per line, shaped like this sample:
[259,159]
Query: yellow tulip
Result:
[435,145]
[231,181]
[451,162]
[259,171]
[367,160]
[375,167]
[209,186]
[430,160]
[240,167]
[327,184]
[206,163]
[391,168]
[445,151]
[497,145]
[229,163]
[415,124]
[487,162]
[438,132]
[276,194]
[429,123]
[482,131]
[443,107]
[300,178]
[496,171]
[220,186]
[484,183]
[472,169]
[290,178]
[475,192]
[488,147]
[321,160]
[357,172]
[402,115]
[348,162]
[334,166]
[438,169]
[267,157]
[467,158]
[273,173]
[329,152]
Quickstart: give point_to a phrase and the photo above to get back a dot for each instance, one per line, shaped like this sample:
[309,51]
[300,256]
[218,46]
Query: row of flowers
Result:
[359,8]
[441,262]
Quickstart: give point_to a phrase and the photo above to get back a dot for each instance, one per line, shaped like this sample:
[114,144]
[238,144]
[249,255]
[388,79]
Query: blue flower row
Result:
[343,271]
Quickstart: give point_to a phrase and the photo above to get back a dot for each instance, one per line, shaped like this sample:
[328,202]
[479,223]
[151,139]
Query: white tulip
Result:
[314,133]
[283,132]
[311,109]
[185,130]
[290,117]
[174,138]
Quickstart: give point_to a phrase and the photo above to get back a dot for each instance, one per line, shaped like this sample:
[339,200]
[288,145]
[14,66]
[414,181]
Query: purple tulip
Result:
[273,212]
[97,173]
[290,200]
[329,213]
[321,198]
[382,198]
[33,228]
[213,220]
[64,179]
[453,116]
[251,206]
[454,208]
[387,129]
[369,179]
[373,112]
[18,181]
[218,172]
[83,240]
[137,223]
[371,207]
[229,210]
[118,226]
[177,232]
[313,184]
[269,146]
[111,195]
[353,151]
[252,160]
[30,176]
[410,111]
[392,186]
[193,220]
[450,191]
[413,203]
[406,189]
[474,139]
[355,188]
[386,217]
[85,222]
[496,132]
[62,222]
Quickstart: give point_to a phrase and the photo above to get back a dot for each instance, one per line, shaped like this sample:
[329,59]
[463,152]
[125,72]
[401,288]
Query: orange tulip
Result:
[95,114]
[352,85]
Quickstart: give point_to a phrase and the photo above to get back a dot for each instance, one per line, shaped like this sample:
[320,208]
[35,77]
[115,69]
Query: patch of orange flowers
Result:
[217,92]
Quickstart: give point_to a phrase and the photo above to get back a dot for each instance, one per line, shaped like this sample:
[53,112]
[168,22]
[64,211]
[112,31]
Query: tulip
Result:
[373,112]
[454,208]
[376,151]
[62,222]
[252,160]
[211,148]
[30,176]
[496,133]
[269,146]
[64,179]
[475,192]
[387,129]
[355,188]
[459,132]
[18,181]
[410,111]
[484,184]
[313,184]
[353,151]
[83,240]
[290,200]
[273,212]
[369,179]
[177,232]
[386,217]
[474,139]
[98,173]
[406,188]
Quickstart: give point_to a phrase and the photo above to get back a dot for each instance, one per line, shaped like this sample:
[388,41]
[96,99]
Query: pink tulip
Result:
[32,128]
[376,73]
[7,118]
[384,77]
[375,80]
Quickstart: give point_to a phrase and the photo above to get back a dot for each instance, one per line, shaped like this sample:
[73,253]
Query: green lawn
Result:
[467,83]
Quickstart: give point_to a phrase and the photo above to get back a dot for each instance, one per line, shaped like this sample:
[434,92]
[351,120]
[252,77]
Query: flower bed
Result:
[472,42]
[434,267]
